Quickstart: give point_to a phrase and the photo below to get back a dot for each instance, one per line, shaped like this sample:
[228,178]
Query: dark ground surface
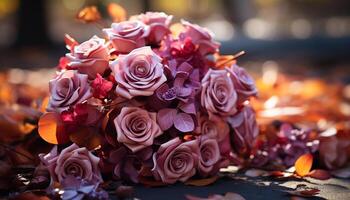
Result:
[249,188]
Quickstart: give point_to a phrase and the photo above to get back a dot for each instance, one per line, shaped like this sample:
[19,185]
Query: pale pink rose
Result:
[72,161]
[218,94]
[138,73]
[244,83]
[209,155]
[175,161]
[245,129]
[136,128]
[200,36]
[90,57]
[159,25]
[127,35]
[68,89]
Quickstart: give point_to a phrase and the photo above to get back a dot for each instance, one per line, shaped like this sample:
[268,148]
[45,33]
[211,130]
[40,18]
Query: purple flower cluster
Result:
[165,109]
[284,148]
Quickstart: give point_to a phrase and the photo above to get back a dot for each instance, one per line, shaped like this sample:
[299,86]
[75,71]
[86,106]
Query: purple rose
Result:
[139,73]
[136,128]
[72,161]
[209,155]
[245,130]
[68,89]
[90,57]
[175,160]
[218,95]
[217,129]
[243,82]
[159,25]
[200,36]
[128,35]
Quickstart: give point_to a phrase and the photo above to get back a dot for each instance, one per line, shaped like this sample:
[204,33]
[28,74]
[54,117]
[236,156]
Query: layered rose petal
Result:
[209,155]
[175,161]
[158,23]
[68,89]
[201,37]
[136,128]
[127,36]
[90,57]
[218,95]
[245,130]
[72,161]
[139,73]
[244,83]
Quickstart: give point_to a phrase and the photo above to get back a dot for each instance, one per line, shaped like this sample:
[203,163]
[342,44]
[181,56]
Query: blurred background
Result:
[309,37]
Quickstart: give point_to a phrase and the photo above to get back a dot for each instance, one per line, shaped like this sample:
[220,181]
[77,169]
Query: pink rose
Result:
[68,89]
[201,37]
[127,35]
[139,73]
[209,155]
[72,161]
[218,95]
[244,83]
[90,57]
[136,128]
[245,130]
[175,160]
[217,129]
[159,25]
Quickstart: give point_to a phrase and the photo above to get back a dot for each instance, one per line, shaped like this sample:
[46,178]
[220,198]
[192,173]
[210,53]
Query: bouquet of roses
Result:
[147,102]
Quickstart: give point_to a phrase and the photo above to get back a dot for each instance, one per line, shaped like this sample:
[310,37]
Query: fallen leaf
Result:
[342,173]
[303,164]
[256,173]
[124,192]
[89,14]
[202,182]
[319,174]
[228,196]
[51,128]
[303,191]
[116,12]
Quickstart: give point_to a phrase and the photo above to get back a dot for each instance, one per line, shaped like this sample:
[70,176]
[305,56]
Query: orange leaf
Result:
[319,174]
[44,104]
[51,129]
[89,14]
[202,182]
[116,12]
[303,164]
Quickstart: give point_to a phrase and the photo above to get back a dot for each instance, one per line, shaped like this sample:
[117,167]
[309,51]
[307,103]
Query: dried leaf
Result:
[89,14]
[87,137]
[202,182]
[51,129]
[116,12]
[256,173]
[303,191]
[342,173]
[303,164]
[320,174]
[124,192]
